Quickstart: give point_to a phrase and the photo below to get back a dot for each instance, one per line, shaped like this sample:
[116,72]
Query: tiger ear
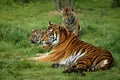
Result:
[60,28]
[50,23]
[42,31]
[72,9]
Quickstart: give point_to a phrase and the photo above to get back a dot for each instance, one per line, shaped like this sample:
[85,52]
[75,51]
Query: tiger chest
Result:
[71,59]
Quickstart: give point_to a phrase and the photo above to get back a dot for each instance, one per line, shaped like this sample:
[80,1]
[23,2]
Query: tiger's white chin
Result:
[44,46]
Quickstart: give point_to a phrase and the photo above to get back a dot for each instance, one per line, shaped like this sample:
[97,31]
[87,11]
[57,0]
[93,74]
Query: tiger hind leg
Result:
[39,55]
[79,67]
[55,65]
[103,65]
[78,71]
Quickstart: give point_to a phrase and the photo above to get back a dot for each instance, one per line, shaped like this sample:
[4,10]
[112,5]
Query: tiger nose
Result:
[66,17]
[31,41]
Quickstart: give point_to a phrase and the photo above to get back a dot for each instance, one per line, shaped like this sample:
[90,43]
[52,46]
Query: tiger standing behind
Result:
[70,51]
[70,21]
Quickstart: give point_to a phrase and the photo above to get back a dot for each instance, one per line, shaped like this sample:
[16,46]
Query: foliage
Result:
[100,27]
[115,3]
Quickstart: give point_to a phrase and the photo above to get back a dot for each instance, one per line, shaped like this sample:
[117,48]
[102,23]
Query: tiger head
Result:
[68,15]
[50,37]
[35,36]
[54,35]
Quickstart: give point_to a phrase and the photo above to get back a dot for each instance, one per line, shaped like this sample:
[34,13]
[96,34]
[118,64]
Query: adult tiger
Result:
[69,50]
[69,20]
[35,36]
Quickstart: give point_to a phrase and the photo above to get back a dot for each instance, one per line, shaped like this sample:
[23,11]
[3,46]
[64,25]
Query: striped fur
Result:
[35,36]
[70,21]
[69,50]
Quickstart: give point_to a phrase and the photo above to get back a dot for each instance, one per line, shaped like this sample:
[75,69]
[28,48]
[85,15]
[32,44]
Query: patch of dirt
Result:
[54,13]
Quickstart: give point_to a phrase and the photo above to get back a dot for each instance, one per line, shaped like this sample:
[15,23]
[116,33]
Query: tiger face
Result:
[35,36]
[68,15]
[50,37]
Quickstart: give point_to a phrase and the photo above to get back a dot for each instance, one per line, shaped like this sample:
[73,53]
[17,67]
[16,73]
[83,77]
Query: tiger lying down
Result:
[69,51]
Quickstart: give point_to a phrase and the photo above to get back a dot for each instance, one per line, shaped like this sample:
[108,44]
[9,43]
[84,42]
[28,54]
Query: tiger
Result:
[70,21]
[76,54]
[35,38]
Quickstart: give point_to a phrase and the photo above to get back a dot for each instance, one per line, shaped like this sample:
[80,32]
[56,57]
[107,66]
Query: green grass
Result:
[100,25]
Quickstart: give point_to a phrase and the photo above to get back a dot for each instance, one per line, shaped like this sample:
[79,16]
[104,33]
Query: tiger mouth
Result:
[33,42]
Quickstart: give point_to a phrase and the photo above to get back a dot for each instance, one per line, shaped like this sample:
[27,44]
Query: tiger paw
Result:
[67,71]
[55,65]
[81,73]
[39,55]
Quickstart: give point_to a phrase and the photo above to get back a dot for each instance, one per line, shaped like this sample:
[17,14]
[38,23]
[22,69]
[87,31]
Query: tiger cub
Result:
[70,51]
[69,20]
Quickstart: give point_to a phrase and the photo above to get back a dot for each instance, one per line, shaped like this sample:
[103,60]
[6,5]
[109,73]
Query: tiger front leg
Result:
[55,65]
[33,59]
[79,67]
[77,31]
[47,58]
[80,72]
[39,55]
[68,70]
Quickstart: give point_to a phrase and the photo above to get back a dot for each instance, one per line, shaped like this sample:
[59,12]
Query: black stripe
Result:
[81,63]
[95,58]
